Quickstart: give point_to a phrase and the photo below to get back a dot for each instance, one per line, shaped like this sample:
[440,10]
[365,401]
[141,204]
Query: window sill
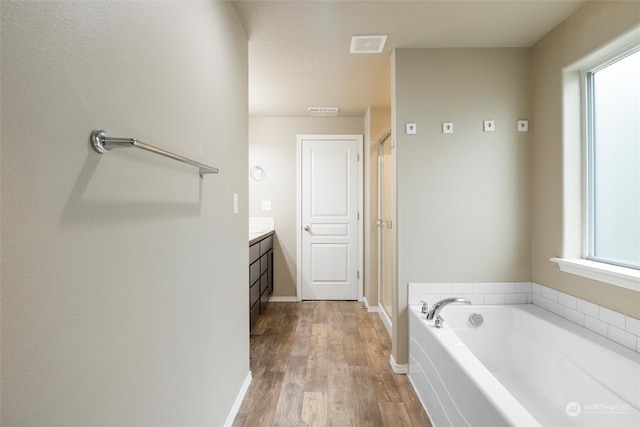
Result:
[612,274]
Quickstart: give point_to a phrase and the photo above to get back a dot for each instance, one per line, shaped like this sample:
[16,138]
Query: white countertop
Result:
[259,226]
[256,234]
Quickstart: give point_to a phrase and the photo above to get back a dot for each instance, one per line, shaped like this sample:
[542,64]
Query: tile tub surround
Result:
[624,330]
[477,293]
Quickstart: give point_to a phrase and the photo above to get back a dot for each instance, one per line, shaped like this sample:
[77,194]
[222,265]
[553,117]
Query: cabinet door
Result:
[264,299]
[253,315]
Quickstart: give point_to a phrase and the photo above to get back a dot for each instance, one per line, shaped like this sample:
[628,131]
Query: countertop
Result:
[255,236]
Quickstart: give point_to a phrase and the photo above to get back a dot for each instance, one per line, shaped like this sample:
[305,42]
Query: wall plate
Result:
[523,125]
[411,129]
[447,127]
[489,125]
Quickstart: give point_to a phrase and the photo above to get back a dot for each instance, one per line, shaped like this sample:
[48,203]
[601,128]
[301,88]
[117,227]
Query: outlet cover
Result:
[411,129]
[266,205]
[489,126]
[447,127]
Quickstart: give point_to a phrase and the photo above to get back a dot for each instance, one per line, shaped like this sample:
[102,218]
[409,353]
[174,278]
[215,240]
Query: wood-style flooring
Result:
[325,363]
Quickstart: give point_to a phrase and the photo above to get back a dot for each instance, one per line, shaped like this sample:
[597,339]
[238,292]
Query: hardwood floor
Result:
[325,363]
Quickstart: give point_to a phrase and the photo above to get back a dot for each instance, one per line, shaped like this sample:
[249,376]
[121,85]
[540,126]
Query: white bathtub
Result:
[523,367]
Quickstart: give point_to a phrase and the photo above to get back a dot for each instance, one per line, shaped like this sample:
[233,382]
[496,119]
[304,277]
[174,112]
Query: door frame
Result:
[360,222]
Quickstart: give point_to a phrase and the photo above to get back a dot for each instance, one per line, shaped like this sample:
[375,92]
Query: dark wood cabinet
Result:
[260,275]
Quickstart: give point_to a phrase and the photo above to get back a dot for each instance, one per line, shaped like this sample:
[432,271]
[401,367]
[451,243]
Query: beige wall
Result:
[556,190]
[462,199]
[124,276]
[376,122]
[272,145]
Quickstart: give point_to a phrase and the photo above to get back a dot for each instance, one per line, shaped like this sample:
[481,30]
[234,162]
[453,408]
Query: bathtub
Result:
[524,366]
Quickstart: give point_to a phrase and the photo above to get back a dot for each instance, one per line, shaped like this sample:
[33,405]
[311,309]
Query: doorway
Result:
[329,224]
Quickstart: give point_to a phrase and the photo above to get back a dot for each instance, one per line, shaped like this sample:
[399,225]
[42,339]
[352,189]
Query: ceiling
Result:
[299,50]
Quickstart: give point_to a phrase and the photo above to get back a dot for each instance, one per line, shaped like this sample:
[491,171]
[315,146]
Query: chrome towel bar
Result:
[102,143]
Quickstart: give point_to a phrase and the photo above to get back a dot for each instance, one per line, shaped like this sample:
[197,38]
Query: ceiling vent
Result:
[367,44]
[323,111]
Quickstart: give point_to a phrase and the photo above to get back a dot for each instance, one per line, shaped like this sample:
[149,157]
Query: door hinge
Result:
[358,156]
[358,275]
[358,216]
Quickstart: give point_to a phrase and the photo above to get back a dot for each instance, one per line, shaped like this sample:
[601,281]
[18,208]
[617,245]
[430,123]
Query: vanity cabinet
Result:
[260,275]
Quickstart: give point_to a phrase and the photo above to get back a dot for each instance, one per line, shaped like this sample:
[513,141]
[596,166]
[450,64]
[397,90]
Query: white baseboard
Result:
[398,369]
[370,308]
[238,402]
[386,321]
[283,299]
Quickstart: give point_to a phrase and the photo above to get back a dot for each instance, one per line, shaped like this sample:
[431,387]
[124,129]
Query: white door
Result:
[330,199]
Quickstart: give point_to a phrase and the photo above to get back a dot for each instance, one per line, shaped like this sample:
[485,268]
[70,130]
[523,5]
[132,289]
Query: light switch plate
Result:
[235,203]
[411,129]
[523,125]
[489,126]
[447,127]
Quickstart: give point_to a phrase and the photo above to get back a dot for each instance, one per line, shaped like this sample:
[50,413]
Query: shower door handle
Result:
[382,223]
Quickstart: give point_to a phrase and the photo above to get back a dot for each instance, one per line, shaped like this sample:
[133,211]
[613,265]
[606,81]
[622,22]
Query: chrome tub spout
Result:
[434,312]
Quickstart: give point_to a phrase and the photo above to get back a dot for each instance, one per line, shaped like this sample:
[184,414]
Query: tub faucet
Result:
[437,307]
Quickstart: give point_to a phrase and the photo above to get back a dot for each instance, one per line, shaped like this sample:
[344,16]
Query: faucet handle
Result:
[425,308]
[439,321]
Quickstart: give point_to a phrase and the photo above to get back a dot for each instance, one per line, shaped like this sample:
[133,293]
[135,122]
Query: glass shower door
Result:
[385,248]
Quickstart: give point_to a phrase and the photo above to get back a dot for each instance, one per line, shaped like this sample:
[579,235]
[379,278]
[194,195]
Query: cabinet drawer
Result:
[254,293]
[254,272]
[264,263]
[266,244]
[264,283]
[254,252]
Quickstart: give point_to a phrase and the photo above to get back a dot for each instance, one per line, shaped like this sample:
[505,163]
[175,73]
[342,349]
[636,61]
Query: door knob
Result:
[307,228]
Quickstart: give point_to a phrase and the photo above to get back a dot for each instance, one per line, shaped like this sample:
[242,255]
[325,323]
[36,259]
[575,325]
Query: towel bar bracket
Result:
[97,136]
[102,143]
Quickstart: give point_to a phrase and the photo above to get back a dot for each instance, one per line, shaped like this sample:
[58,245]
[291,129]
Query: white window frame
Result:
[621,276]
[587,87]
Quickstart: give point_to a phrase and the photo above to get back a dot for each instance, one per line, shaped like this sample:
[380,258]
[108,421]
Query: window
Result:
[601,155]
[613,161]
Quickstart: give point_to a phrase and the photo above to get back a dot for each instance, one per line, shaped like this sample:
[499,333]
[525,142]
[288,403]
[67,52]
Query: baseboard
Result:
[238,402]
[398,369]
[283,299]
[370,309]
[386,321]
